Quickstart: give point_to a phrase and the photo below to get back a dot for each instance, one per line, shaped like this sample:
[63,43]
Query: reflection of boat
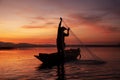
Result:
[53,58]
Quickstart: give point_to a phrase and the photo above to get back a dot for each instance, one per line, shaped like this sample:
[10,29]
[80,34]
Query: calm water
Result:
[21,64]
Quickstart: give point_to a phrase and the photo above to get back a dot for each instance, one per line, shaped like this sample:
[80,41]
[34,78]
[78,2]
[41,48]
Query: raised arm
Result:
[60,22]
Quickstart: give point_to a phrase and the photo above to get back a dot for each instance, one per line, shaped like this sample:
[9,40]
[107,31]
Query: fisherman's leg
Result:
[59,60]
[58,69]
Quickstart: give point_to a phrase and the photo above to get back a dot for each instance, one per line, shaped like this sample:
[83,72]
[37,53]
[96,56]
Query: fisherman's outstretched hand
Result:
[61,18]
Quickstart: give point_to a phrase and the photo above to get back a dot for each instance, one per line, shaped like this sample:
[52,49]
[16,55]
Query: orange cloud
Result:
[40,22]
[38,18]
[31,27]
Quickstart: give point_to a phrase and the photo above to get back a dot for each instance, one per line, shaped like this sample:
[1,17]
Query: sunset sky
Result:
[36,21]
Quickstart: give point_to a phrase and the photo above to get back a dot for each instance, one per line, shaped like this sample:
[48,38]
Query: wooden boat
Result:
[53,58]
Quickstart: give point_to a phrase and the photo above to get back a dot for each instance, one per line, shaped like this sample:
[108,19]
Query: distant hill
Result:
[10,45]
[6,44]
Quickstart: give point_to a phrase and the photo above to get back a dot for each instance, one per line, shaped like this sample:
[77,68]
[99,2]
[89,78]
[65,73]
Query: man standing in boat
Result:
[60,47]
[61,37]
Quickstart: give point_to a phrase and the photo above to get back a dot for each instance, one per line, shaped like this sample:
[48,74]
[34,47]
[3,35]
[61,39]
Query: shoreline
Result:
[40,46]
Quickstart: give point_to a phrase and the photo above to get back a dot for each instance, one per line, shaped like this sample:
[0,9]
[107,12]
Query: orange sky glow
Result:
[36,21]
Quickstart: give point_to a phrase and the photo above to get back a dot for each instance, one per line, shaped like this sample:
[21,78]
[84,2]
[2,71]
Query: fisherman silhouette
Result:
[60,47]
[61,37]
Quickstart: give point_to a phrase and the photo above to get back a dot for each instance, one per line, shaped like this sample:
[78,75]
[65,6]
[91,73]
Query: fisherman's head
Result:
[63,28]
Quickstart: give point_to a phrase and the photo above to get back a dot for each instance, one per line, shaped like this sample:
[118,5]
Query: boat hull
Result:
[54,58]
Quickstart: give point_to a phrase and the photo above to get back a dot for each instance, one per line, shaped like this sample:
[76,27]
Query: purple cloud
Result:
[103,20]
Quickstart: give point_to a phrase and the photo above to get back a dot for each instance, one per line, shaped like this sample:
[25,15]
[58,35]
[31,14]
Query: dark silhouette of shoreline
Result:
[10,45]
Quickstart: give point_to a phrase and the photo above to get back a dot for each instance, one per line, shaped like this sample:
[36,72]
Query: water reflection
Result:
[45,66]
[61,71]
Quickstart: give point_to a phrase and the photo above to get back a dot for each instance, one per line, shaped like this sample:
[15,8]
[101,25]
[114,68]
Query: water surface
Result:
[20,64]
